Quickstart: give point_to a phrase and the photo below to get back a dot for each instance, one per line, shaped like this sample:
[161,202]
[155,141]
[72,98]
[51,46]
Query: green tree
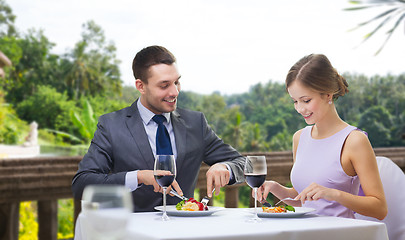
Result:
[10,46]
[254,138]
[234,130]
[92,67]
[33,65]
[7,19]
[376,121]
[12,129]
[270,106]
[213,106]
[190,100]
[49,108]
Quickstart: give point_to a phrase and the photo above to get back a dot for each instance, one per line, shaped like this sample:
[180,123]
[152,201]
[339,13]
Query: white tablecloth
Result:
[232,224]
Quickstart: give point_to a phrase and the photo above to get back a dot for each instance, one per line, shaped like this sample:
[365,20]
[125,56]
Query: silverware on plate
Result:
[178,195]
[206,199]
[265,203]
[285,199]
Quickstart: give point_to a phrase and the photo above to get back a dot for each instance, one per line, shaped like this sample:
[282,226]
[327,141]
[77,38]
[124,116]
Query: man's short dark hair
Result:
[150,56]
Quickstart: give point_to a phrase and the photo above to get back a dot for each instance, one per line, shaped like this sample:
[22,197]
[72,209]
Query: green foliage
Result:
[12,129]
[377,106]
[10,46]
[129,94]
[49,108]
[32,65]
[92,67]
[219,201]
[67,93]
[378,131]
[46,138]
[102,105]
[65,218]
[189,100]
[7,19]
[86,122]
[28,221]
[244,196]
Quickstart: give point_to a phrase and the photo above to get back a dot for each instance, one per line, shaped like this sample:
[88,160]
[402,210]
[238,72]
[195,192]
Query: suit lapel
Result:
[135,126]
[180,132]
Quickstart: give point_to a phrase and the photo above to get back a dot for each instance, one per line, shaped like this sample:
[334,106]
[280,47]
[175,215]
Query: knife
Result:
[178,195]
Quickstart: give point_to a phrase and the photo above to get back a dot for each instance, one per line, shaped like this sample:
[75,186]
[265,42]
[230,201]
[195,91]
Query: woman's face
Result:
[312,105]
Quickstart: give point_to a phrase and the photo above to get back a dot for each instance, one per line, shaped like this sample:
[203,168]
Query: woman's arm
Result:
[361,155]
[276,188]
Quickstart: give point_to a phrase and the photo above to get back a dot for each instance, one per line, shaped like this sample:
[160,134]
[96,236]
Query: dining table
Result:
[232,223]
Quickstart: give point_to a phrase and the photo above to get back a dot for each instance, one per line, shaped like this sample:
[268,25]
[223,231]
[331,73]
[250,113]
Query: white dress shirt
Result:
[131,178]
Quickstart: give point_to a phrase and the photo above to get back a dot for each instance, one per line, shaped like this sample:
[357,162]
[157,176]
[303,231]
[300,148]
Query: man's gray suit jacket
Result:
[120,144]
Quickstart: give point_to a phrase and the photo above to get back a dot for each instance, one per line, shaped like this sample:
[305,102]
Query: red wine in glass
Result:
[164,172]
[164,180]
[255,180]
[255,171]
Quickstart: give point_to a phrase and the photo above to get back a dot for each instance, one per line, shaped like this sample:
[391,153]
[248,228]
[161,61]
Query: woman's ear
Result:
[329,98]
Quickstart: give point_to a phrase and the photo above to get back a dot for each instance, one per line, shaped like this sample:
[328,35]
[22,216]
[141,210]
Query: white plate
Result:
[299,211]
[172,211]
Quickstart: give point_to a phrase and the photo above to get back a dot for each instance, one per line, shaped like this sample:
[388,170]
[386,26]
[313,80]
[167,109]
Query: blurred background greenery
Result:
[66,93]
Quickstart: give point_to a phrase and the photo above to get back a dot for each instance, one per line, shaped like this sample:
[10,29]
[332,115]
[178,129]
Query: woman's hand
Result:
[263,191]
[315,192]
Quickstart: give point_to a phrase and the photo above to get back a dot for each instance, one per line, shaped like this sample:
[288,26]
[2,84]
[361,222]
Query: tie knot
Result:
[159,119]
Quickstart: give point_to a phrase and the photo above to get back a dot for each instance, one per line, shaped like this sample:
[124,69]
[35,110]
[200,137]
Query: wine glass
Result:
[164,172]
[255,173]
[106,211]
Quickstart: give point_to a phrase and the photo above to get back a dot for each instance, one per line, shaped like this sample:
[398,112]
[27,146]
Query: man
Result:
[124,146]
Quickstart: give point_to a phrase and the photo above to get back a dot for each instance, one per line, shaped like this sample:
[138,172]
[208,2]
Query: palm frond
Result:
[375,18]
[357,8]
[390,32]
[387,15]
[377,28]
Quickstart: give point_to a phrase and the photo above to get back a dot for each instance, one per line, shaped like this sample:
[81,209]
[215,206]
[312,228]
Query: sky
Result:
[225,46]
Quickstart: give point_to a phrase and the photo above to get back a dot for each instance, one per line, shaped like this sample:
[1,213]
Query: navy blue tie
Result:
[163,145]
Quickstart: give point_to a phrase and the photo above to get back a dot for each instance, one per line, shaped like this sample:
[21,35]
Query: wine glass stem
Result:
[255,189]
[164,202]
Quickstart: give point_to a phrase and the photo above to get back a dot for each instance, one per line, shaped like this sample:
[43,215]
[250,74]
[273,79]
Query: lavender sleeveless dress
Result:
[318,160]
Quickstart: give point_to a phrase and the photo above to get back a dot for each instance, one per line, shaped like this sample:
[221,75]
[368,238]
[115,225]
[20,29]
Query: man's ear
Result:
[140,85]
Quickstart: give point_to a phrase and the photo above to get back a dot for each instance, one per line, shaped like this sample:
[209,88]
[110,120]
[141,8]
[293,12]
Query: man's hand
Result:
[217,176]
[146,177]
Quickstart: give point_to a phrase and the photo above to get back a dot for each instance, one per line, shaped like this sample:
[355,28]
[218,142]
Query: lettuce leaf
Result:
[290,208]
[180,205]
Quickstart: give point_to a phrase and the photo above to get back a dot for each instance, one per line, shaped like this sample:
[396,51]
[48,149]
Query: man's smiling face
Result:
[159,95]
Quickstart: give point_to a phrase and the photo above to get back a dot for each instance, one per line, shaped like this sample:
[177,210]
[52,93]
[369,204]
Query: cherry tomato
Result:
[200,206]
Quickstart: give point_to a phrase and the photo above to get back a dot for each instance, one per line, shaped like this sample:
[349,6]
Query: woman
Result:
[331,158]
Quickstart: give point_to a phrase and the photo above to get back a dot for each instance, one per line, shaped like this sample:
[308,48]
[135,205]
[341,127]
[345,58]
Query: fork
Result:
[284,199]
[206,199]
[265,203]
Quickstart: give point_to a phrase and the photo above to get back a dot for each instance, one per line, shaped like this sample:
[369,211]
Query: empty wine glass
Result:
[255,173]
[106,210]
[164,172]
